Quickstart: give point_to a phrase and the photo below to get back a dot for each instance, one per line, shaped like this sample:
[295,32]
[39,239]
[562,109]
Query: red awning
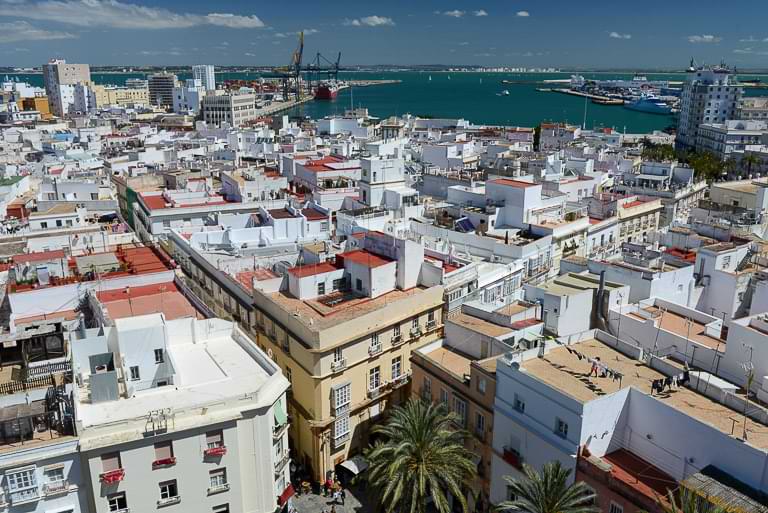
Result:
[287,494]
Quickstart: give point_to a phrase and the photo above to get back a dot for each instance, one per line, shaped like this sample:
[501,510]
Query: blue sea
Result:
[470,95]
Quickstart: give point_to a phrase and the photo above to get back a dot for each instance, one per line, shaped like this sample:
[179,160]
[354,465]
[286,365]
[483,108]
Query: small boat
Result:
[503,93]
[650,104]
[430,78]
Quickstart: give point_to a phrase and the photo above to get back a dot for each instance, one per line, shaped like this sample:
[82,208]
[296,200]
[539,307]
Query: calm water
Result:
[473,96]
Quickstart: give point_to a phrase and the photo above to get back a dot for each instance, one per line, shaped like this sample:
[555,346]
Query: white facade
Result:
[206,75]
[213,432]
[187,98]
[57,73]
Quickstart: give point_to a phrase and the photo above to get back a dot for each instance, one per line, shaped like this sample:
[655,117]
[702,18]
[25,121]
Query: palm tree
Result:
[549,492]
[421,456]
[685,501]
[749,160]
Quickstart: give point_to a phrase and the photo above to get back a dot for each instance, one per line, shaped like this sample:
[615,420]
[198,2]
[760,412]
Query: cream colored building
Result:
[342,330]
[109,95]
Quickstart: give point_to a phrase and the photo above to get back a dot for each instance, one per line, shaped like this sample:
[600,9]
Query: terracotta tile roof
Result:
[314,215]
[362,257]
[303,271]
[513,183]
[280,213]
[42,256]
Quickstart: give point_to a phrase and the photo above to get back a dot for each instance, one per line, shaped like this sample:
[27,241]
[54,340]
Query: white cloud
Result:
[484,54]
[453,14]
[370,21]
[704,38]
[750,51]
[249,54]
[24,31]
[481,12]
[116,14]
[522,14]
[617,35]
[464,43]
[309,32]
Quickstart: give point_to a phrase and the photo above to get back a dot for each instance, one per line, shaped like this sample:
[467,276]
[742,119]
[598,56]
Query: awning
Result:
[280,417]
[355,464]
[287,494]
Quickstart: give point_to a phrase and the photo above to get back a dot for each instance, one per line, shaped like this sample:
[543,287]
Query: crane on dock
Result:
[292,72]
[322,66]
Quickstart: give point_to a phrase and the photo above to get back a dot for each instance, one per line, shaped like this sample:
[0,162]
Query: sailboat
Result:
[430,78]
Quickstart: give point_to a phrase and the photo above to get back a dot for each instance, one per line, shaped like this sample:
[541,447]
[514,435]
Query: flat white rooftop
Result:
[210,361]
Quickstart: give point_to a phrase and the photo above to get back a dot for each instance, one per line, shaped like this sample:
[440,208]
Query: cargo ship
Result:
[326,91]
[649,104]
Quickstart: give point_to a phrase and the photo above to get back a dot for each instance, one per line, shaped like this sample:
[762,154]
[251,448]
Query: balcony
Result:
[25,496]
[113,476]
[340,441]
[168,501]
[282,462]
[339,365]
[431,325]
[397,339]
[211,452]
[164,462]
[513,457]
[415,332]
[373,393]
[374,349]
[56,488]
[218,489]
[278,431]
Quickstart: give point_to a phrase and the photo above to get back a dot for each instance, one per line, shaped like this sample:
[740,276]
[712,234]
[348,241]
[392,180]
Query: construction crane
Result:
[293,70]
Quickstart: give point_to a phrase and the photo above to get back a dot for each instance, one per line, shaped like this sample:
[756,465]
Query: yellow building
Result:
[342,330]
[38,103]
[111,95]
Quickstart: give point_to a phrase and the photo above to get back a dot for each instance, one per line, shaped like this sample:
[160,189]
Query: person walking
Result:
[343,495]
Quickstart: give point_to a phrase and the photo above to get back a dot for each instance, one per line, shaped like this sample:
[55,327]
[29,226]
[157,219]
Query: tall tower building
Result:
[205,74]
[161,89]
[59,79]
[710,95]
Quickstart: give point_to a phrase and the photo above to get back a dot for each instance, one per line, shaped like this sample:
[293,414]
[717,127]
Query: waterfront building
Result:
[730,139]
[235,109]
[123,96]
[710,95]
[160,86]
[753,107]
[194,414]
[59,78]
[206,75]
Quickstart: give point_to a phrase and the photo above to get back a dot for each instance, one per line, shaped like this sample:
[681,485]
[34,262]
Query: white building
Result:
[549,406]
[235,109]
[206,75]
[731,137]
[57,73]
[710,95]
[185,412]
[187,98]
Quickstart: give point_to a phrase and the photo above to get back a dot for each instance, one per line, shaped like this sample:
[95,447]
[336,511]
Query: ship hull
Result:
[326,93]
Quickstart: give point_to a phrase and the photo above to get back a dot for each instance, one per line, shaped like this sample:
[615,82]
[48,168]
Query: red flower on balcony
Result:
[221,450]
[113,476]
[513,457]
[164,462]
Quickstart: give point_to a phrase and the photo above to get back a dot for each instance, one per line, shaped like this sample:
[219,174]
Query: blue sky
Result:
[586,33]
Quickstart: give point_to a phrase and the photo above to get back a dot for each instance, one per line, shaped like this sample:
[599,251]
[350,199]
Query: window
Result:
[159,356]
[519,404]
[396,330]
[460,407]
[321,289]
[397,368]
[214,439]
[168,490]
[110,461]
[289,375]
[481,385]
[218,478]
[415,323]
[58,222]
[726,261]
[135,375]
[341,427]
[511,494]
[22,484]
[561,428]
[444,396]
[337,355]
[342,396]
[163,450]
[43,224]
[359,284]
[54,475]
[427,388]
[339,284]
[223,508]
[117,502]
[375,343]
[479,423]
[431,316]
[374,378]
[615,508]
